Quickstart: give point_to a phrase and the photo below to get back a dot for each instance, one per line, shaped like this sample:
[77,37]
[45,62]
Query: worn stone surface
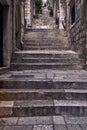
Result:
[44,123]
[18,128]
[76,120]
[83,126]
[35,120]
[58,120]
[60,127]
[1,127]
[73,127]
[8,121]
[43,127]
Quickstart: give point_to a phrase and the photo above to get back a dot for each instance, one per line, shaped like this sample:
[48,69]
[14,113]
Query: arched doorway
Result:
[1,35]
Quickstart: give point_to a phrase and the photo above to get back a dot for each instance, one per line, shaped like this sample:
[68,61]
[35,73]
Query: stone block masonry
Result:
[78,31]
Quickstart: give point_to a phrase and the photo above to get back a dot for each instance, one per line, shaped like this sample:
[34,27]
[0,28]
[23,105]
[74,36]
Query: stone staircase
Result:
[44,82]
[44,21]
[46,49]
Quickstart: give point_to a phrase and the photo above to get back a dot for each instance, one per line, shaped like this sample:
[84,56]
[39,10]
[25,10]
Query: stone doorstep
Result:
[43,94]
[42,108]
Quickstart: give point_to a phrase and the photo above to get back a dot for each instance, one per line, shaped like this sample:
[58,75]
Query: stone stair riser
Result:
[43,111]
[36,55]
[33,67]
[44,60]
[18,83]
[12,96]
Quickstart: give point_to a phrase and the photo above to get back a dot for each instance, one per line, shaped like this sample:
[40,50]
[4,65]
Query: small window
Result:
[73,15]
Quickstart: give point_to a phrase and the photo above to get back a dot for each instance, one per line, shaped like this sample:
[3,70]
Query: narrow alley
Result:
[43,78]
[44,21]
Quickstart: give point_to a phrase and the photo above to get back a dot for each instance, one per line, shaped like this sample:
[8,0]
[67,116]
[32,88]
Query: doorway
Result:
[1,35]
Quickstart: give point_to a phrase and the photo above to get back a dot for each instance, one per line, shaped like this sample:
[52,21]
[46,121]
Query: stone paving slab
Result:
[44,123]
[58,120]
[8,121]
[34,103]
[35,120]
[43,127]
[70,103]
[73,127]
[83,126]
[76,120]
[60,127]
[18,128]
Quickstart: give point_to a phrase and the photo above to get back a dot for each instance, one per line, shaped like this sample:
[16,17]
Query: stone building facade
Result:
[19,17]
[77,26]
[11,29]
[28,13]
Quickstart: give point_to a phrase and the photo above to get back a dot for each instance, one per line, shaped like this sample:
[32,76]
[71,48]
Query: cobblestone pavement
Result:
[44,123]
[44,21]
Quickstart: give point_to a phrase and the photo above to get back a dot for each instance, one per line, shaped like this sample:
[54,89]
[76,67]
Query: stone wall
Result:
[18,24]
[28,13]
[13,21]
[62,11]
[78,30]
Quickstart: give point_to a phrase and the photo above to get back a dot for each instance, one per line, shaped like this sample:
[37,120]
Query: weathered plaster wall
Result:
[78,31]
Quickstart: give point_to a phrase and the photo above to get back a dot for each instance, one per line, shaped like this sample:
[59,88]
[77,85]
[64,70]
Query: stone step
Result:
[42,94]
[43,43]
[44,31]
[45,60]
[46,54]
[44,48]
[46,40]
[33,66]
[23,82]
[42,108]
